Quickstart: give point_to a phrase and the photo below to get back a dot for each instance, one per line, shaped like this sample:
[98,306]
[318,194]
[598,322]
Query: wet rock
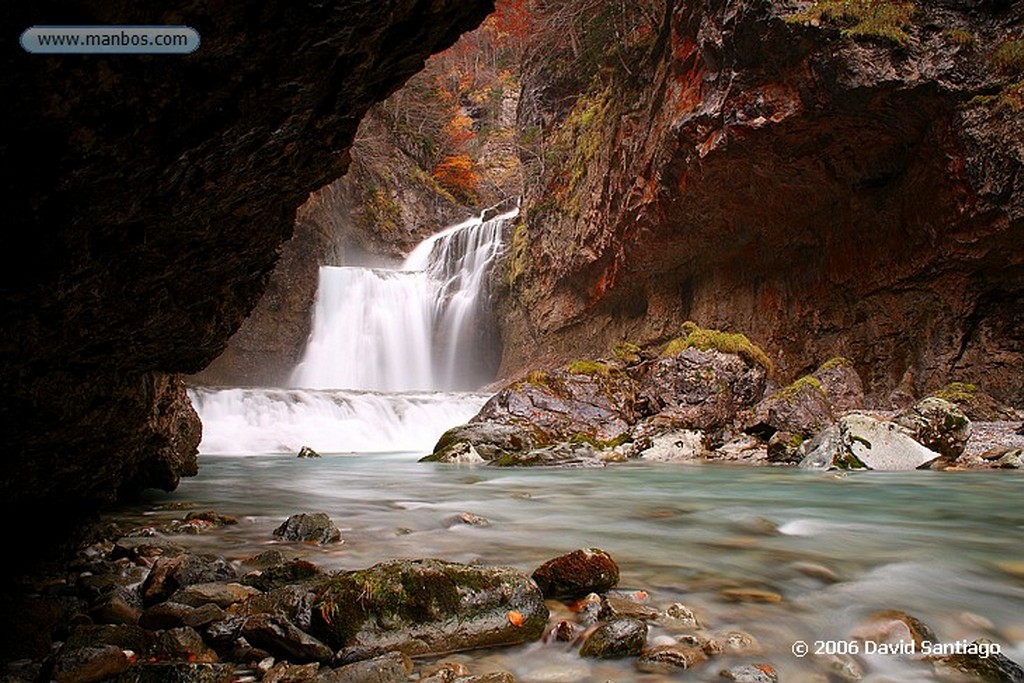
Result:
[708,646]
[426,606]
[165,615]
[284,672]
[616,639]
[492,677]
[562,632]
[184,644]
[120,606]
[141,549]
[279,636]
[673,445]
[1010,460]
[307,452]
[938,425]
[980,661]
[174,573]
[742,448]
[976,403]
[125,637]
[282,575]
[265,560]
[678,616]
[667,659]
[219,594]
[198,522]
[588,609]
[817,571]
[737,643]
[785,447]
[88,664]
[893,626]
[861,442]
[393,667]
[577,573]
[1020,430]
[203,616]
[480,442]
[751,673]
[841,667]
[316,527]
[801,408]
[613,607]
[178,672]
[843,386]
[444,671]
[556,455]
[294,601]
[467,519]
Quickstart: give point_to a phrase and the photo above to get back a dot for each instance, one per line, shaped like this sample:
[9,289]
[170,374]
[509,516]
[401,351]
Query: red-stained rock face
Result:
[146,200]
[825,196]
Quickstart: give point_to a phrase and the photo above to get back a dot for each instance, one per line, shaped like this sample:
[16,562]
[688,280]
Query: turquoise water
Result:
[941,546]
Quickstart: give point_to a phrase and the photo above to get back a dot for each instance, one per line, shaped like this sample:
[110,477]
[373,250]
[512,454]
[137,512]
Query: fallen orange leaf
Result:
[516,618]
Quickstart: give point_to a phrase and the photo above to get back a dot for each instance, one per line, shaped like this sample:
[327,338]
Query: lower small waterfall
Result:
[421,327]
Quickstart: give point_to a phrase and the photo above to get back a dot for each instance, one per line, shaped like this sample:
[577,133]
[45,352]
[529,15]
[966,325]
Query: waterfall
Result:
[422,327]
[257,421]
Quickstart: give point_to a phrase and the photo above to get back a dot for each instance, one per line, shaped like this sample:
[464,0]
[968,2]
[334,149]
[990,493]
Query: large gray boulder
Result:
[859,441]
[801,408]
[479,442]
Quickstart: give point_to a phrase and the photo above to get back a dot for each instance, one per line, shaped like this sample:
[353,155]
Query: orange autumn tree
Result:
[458,174]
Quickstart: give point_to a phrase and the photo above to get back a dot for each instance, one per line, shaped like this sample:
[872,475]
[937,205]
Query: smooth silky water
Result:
[944,547]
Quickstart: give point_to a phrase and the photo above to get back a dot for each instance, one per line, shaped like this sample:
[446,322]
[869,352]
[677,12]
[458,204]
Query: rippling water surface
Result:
[944,547]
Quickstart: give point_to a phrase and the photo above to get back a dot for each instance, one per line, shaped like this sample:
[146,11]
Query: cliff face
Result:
[147,200]
[825,193]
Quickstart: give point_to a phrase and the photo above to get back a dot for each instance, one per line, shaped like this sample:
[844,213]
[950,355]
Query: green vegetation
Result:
[886,19]
[626,352]
[538,378]
[1009,58]
[837,362]
[517,254]
[600,444]
[957,392]
[716,340]
[575,145]
[592,368]
[807,381]
[960,37]
[380,210]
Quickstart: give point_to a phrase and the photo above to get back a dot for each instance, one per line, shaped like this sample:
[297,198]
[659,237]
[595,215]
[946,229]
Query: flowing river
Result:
[374,392]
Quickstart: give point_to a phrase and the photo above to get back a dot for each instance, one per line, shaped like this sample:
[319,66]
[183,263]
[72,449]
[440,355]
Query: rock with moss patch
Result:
[937,424]
[479,442]
[801,408]
[422,607]
[616,639]
[859,441]
[700,389]
[843,386]
[785,447]
[576,574]
[314,527]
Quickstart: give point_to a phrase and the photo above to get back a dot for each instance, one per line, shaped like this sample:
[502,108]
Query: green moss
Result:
[626,352]
[960,37]
[1009,58]
[886,19]
[380,210]
[576,144]
[592,368]
[518,253]
[600,444]
[957,392]
[837,362]
[795,440]
[790,392]
[716,340]
[538,378]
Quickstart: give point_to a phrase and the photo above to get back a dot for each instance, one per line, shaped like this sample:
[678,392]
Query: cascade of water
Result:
[259,421]
[414,328]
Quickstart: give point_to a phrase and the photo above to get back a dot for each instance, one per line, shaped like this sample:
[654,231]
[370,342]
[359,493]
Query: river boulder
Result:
[423,607]
[615,639]
[937,424]
[576,574]
[842,385]
[859,441]
[479,442]
[801,408]
[316,527]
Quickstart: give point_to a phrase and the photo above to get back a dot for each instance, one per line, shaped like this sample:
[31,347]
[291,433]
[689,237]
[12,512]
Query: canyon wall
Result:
[145,203]
[827,189]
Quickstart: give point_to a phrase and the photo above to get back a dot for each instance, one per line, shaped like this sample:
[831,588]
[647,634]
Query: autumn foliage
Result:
[458,175]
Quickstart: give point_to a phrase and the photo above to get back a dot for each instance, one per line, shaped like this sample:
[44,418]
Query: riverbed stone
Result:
[276,634]
[785,447]
[88,664]
[165,615]
[751,673]
[316,527]
[937,424]
[613,607]
[678,616]
[124,636]
[979,662]
[615,639]
[667,659]
[801,408]
[672,445]
[859,441]
[178,672]
[216,593]
[575,574]
[183,643]
[1010,460]
[393,667]
[893,626]
[171,574]
[426,606]
[282,575]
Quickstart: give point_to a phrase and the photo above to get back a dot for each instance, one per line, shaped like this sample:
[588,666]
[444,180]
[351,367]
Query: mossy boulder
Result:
[785,447]
[843,386]
[801,408]
[478,442]
[975,403]
[315,527]
[423,607]
[576,574]
[698,337]
[937,424]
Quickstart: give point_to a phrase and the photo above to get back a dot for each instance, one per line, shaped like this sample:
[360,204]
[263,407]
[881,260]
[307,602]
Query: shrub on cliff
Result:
[863,18]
